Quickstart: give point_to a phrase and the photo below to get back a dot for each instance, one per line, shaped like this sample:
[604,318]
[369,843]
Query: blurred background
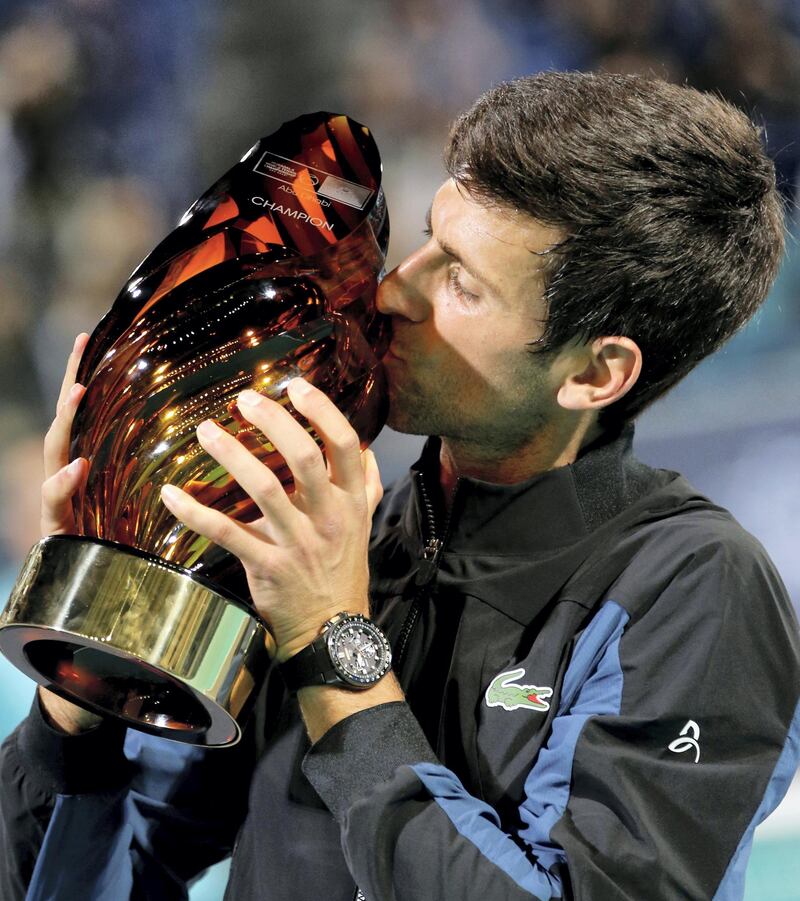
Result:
[115,116]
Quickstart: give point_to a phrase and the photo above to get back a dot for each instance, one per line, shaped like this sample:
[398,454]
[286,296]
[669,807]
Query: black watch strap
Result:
[311,666]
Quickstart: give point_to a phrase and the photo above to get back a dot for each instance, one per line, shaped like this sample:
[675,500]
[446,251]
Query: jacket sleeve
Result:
[112,814]
[677,732]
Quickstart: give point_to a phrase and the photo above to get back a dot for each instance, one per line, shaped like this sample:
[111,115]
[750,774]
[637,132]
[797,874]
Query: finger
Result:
[258,480]
[56,441]
[293,443]
[57,493]
[235,537]
[73,363]
[372,481]
[342,444]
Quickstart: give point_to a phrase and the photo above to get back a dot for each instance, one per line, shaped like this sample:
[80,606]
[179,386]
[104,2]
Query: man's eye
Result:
[427,231]
[456,286]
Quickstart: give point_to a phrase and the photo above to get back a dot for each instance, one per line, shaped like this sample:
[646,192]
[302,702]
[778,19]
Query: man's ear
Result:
[605,370]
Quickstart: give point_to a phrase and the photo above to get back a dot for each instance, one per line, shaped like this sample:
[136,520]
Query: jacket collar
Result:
[517,547]
[542,514]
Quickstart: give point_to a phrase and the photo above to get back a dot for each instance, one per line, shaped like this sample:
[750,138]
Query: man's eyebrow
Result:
[451,252]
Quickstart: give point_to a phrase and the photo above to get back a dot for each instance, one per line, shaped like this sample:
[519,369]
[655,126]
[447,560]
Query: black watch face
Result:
[359,651]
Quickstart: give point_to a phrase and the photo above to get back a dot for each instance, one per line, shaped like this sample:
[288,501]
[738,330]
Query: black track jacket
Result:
[602,673]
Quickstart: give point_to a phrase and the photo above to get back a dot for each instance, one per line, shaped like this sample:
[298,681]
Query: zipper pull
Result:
[428,563]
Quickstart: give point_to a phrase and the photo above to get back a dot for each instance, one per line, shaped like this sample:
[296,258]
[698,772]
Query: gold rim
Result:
[128,635]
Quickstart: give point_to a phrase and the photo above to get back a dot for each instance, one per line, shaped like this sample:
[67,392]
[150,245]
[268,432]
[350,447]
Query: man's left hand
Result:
[306,556]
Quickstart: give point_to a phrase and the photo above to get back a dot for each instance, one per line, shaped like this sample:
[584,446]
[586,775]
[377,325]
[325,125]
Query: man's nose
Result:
[403,292]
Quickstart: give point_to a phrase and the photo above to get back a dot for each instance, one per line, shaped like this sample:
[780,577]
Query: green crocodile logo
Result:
[502,693]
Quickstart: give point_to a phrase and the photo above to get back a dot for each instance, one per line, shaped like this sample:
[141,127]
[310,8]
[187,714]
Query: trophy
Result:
[270,275]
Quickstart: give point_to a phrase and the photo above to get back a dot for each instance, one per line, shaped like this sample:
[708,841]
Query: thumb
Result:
[57,493]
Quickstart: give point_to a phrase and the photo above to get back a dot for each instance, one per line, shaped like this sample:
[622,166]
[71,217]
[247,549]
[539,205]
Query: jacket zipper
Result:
[428,566]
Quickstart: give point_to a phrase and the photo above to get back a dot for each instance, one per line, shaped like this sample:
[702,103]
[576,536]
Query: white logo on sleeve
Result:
[690,738]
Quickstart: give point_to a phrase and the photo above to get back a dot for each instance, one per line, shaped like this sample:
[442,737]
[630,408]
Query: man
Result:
[596,670]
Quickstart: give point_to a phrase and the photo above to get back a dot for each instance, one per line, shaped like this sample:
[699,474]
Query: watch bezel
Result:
[332,638]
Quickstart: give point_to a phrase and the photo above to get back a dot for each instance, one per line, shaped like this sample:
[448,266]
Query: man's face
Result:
[463,307]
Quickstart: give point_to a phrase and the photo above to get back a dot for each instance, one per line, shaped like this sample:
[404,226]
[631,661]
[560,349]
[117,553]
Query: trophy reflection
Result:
[270,275]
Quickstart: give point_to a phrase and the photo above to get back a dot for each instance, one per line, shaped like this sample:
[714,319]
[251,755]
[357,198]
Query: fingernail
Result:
[299,385]
[75,391]
[77,342]
[171,494]
[207,429]
[248,398]
[74,467]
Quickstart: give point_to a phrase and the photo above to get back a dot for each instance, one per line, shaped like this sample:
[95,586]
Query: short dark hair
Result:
[673,224]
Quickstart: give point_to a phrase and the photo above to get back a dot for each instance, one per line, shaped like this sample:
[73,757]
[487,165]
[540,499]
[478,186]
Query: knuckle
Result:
[260,573]
[348,442]
[330,528]
[309,459]
[222,531]
[268,490]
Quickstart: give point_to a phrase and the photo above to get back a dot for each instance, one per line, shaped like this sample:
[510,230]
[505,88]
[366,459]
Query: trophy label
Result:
[282,169]
[345,191]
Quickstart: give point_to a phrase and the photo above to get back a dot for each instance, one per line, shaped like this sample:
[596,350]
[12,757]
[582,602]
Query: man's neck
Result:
[550,448]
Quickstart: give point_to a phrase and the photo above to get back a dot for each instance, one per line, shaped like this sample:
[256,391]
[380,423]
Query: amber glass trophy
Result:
[270,275]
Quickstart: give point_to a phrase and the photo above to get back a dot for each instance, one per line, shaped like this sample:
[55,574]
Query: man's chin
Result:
[403,420]
[406,427]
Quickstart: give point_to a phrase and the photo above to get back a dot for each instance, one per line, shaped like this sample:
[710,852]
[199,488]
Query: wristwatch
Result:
[351,652]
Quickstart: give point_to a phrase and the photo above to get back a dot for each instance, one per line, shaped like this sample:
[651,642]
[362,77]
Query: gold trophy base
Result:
[126,634]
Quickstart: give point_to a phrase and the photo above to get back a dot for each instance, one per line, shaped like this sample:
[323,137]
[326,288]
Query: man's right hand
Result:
[62,480]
